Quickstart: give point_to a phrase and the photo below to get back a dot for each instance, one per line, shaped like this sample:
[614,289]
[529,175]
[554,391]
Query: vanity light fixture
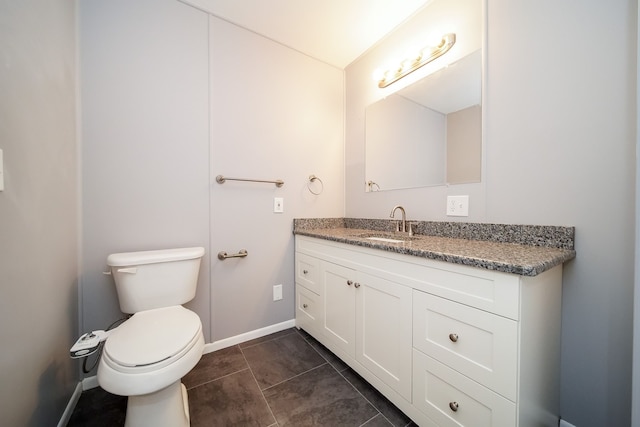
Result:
[409,65]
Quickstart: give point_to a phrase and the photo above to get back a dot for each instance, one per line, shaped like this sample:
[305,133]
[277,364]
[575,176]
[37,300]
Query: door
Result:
[383,330]
[339,305]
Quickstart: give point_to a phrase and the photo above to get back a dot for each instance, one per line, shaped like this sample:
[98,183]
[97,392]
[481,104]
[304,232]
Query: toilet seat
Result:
[152,339]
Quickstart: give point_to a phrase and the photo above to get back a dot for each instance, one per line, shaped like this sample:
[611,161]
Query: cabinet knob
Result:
[357,285]
[349,282]
[305,305]
[453,337]
[305,271]
[453,406]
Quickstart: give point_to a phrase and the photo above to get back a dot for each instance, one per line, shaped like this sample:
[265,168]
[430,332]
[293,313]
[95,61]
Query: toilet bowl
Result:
[146,356]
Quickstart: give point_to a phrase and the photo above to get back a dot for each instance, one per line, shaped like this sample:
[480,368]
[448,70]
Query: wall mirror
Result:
[428,133]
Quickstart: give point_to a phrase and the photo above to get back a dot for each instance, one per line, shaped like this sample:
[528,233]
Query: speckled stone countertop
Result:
[526,250]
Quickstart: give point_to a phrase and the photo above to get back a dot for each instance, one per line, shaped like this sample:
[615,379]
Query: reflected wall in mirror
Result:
[429,133]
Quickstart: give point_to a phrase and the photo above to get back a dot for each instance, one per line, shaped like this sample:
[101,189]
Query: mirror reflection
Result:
[429,133]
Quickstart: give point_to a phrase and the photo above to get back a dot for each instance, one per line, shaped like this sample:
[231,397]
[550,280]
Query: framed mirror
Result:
[428,133]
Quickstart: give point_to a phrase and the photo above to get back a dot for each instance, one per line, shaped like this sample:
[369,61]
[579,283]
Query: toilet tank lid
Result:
[151,257]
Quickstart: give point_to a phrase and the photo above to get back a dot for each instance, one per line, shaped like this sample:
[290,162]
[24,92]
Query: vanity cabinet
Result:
[368,318]
[358,317]
[309,305]
[464,363]
[450,345]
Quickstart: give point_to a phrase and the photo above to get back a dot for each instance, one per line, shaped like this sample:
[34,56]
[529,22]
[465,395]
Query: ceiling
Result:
[333,31]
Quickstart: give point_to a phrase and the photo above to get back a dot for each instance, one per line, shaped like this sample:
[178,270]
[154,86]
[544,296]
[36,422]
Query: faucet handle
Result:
[398,226]
[411,224]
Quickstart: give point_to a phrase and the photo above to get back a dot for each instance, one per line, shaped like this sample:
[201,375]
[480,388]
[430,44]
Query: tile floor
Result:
[283,379]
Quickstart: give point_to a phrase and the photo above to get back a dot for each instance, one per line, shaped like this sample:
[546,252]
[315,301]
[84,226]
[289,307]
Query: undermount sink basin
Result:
[385,237]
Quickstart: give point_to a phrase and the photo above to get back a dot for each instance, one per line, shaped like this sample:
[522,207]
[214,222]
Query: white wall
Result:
[560,146]
[275,114]
[38,211]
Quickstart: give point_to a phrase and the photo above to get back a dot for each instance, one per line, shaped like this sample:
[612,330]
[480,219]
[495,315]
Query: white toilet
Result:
[146,356]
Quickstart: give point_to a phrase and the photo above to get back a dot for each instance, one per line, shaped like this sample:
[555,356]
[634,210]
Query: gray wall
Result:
[559,149]
[38,211]
[635,410]
[171,98]
[145,148]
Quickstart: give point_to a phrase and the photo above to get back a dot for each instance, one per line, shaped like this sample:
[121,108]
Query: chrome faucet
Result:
[404,217]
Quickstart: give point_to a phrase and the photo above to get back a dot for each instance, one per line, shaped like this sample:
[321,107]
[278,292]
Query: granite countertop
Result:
[516,249]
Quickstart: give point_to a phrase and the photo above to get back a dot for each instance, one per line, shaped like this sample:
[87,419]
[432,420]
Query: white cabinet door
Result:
[339,326]
[383,331]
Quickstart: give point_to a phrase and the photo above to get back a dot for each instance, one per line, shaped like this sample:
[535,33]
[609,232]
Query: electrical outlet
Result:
[457,205]
[278,205]
[277,292]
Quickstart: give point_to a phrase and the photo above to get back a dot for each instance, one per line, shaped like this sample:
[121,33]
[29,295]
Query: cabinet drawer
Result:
[480,345]
[307,275]
[308,310]
[451,399]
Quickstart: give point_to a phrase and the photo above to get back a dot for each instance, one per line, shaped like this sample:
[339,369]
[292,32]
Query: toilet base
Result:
[168,407]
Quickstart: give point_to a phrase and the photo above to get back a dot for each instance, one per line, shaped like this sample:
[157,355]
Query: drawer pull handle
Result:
[349,282]
[453,338]
[305,271]
[305,305]
[357,285]
[453,406]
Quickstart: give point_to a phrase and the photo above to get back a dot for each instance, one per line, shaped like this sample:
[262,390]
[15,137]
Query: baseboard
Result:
[563,423]
[92,382]
[66,415]
[89,383]
[257,333]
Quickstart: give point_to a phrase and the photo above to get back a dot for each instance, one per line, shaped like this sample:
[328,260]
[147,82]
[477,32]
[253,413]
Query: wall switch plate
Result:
[277,292]
[1,172]
[457,205]
[278,205]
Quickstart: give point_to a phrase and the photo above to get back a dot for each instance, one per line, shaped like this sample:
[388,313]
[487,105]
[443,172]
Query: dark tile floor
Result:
[283,379]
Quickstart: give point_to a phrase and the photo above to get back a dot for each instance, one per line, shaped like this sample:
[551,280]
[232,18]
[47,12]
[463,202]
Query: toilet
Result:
[146,356]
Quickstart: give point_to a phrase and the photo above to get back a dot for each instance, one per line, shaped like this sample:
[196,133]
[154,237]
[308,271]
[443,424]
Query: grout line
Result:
[259,389]
[365,397]
[296,376]
[316,349]
[345,378]
[370,419]
[265,341]
[218,378]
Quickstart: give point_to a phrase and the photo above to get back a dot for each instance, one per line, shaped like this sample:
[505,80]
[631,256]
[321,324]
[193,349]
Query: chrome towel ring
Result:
[312,179]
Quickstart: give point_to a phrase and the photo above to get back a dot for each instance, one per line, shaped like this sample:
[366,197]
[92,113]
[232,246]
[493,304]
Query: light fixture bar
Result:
[427,55]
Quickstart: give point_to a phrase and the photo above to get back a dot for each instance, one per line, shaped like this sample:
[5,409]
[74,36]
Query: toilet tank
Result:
[155,279]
